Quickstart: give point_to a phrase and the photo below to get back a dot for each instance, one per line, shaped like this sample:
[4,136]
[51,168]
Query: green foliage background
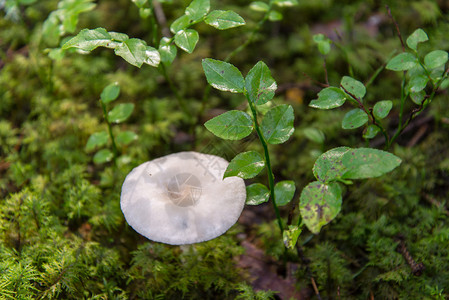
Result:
[62,234]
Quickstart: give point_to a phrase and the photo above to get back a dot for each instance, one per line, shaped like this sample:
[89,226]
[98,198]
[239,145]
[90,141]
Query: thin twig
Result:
[418,135]
[305,261]
[326,78]
[323,85]
[161,19]
[438,204]
[417,268]
[397,27]
[368,112]
[111,135]
[376,73]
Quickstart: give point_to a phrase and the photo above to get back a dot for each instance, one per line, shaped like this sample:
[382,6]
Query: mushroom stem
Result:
[267,162]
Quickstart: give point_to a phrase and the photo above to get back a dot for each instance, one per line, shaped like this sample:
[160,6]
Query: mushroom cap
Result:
[182,198]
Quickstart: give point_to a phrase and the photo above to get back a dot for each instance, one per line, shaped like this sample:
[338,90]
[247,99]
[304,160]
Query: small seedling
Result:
[118,114]
[422,77]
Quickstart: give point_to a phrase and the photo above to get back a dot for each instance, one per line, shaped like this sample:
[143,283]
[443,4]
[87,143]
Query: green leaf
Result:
[259,6]
[353,86]
[324,44]
[133,51]
[368,163]
[290,236]
[90,39]
[354,118]
[223,76]
[118,36]
[180,23]
[418,97]
[329,166]
[277,124]
[197,9]
[97,139]
[120,113]
[274,16]
[382,108]
[402,62]
[124,160]
[416,37]
[435,59]
[285,3]
[259,84]
[102,156]
[125,137]
[144,13]
[70,13]
[319,204]
[231,125]
[152,57]
[256,194]
[187,39]
[417,83]
[167,51]
[140,3]
[222,20]
[110,93]
[328,98]
[284,192]
[27,2]
[245,165]
[437,73]
[314,134]
[61,21]
[51,29]
[56,53]
[371,131]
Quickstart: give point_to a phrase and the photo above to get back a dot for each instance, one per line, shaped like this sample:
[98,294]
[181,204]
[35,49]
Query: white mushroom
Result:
[182,198]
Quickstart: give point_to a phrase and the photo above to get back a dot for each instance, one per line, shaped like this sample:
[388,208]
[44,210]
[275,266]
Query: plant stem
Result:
[401,114]
[268,164]
[248,41]
[154,25]
[178,96]
[418,110]
[111,135]
[369,113]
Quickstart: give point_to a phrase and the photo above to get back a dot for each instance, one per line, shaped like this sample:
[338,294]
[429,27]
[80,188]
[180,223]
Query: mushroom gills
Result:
[184,189]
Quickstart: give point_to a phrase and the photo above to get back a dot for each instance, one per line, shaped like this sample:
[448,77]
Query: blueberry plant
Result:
[353,227]
[422,77]
[118,114]
[321,200]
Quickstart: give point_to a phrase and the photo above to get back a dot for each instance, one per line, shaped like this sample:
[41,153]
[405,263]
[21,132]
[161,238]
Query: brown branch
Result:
[418,135]
[160,17]
[435,202]
[305,261]
[397,27]
[417,268]
[324,85]
[362,107]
